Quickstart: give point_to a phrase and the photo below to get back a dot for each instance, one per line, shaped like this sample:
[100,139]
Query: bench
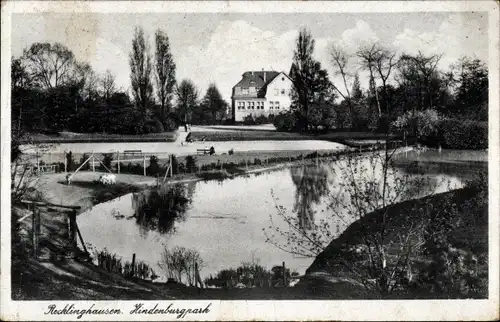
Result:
[132,152]
[202,151]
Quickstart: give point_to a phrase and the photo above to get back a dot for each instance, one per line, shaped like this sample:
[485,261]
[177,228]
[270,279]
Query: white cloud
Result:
[454,38]
[235,47]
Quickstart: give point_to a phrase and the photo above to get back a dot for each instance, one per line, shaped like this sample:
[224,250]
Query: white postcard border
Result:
[261,310]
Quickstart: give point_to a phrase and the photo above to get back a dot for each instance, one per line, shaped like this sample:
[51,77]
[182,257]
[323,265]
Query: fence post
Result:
[133,265]
[72,232]
[144,163]
[118,162]
[246,164]
[35,230]
[65,163]
[93,162]
[284,275]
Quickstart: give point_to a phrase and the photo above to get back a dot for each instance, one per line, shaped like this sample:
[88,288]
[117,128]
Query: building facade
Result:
[261,93]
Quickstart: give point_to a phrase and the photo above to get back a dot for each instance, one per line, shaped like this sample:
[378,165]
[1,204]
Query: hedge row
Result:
[458,134]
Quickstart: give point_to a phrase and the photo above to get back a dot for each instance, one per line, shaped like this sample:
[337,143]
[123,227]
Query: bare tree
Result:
[180,262]
[367,56]
[140,70]
[165,71]
[108,86]
[340,59]
[385,61]
[418,71]
[379,254]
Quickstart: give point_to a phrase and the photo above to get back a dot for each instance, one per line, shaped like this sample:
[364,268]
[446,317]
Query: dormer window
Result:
[282,92]
[244,90]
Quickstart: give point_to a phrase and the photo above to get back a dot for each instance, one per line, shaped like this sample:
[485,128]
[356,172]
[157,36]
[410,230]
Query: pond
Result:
[226,222]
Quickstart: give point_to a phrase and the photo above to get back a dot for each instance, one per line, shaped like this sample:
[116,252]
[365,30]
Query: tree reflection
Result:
[311,183]
[159,208]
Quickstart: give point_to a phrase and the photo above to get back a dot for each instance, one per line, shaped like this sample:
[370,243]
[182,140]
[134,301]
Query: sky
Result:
[219,48]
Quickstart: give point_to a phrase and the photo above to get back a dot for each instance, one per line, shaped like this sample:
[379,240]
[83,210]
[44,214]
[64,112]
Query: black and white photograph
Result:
[207,153]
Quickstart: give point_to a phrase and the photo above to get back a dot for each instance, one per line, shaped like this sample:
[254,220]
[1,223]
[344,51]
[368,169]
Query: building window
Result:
[277,105]
[282,92]
[271,105]
[276,92]
[283,79]
[242,105]
[244,90]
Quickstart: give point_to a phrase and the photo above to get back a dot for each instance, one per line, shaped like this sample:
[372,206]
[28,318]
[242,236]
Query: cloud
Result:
[455,37]
[235,47]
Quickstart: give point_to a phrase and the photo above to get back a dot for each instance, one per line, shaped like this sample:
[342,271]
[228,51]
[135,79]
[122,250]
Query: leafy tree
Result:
[213,107]
[50,65]
[469,77]
[140,71]
[309,79]
[165,72]
[187,100]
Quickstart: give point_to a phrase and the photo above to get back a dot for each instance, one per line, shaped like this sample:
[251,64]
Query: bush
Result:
[248,120]
[70,161]
[153,126]
[425,122]
[261,119]
[107,159]
[458,134]
[191,164]
[170,125]
[84,157]
[154,167]
[286,122]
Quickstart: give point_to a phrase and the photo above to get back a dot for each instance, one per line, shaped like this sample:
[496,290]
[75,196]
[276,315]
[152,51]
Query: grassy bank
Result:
[464,210]
[260,135]
[70,137]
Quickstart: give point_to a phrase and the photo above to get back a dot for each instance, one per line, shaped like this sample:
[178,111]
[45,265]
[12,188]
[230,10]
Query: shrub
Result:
[154,167]
[107,159]
[230,152]
[84,157]
[70,161]
[248,120]
[191,164]
[286,122]
[153,126]
[261,119]
[170,125]
[458,134]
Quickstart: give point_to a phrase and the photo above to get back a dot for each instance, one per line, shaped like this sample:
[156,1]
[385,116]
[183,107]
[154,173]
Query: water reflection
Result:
[159,208]
[311,184]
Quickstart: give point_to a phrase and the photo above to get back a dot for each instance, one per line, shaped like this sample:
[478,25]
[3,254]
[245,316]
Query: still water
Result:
[227,222]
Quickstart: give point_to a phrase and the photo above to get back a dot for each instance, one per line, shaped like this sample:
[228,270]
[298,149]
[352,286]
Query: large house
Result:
[261,93]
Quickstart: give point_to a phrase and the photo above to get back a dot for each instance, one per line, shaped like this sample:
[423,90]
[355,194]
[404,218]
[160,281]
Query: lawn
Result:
[259,135]
[70,137]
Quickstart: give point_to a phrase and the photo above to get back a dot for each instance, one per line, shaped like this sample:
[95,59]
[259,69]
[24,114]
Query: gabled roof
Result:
[256,78]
